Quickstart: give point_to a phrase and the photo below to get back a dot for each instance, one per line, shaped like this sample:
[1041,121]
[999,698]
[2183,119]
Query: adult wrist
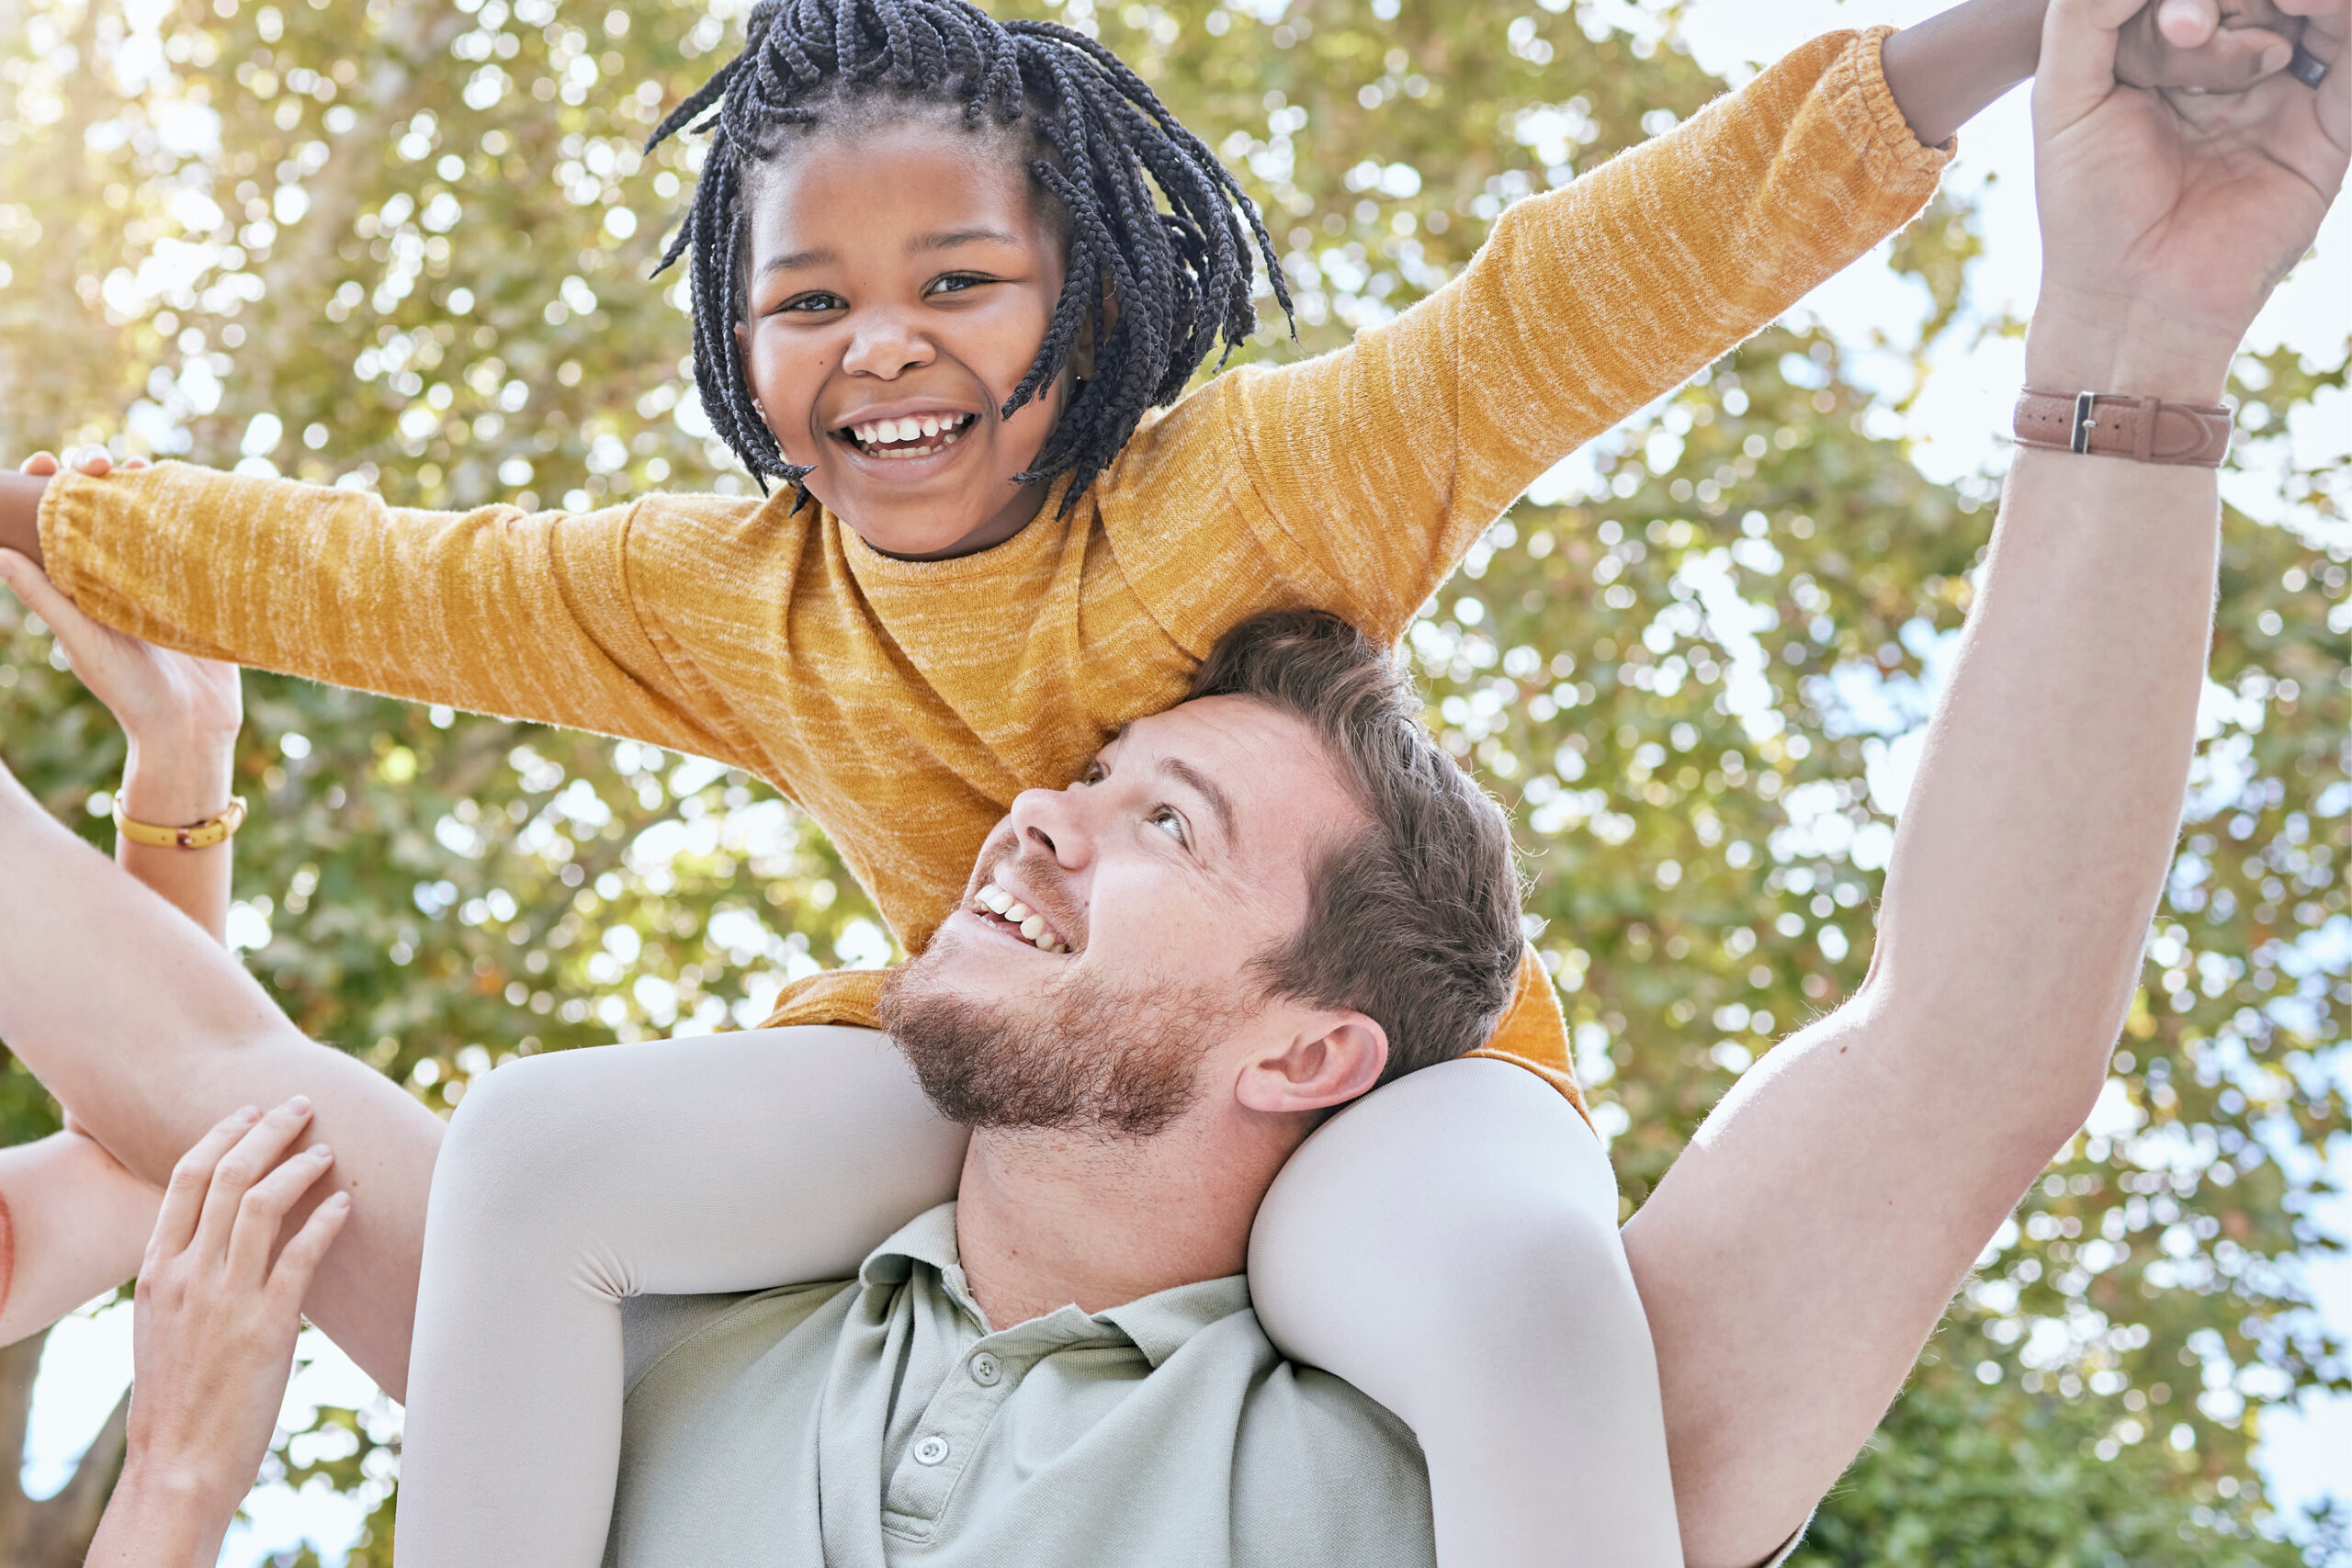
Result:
[179,782]
[184,1489]
[2119,346]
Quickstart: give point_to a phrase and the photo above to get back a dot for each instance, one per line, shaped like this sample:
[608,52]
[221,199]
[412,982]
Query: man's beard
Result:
[1087,1056]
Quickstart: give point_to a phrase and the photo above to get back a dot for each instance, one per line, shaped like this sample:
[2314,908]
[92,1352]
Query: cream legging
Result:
[1448,1244]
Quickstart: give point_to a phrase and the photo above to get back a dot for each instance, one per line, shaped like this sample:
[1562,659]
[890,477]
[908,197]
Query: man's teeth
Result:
[1027,921]
[886,437]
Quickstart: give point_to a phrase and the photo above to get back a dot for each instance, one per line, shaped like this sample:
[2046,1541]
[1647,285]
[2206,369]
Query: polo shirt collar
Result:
[1156,1324]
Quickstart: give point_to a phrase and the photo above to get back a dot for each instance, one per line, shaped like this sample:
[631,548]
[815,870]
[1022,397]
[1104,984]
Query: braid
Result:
[1158,288]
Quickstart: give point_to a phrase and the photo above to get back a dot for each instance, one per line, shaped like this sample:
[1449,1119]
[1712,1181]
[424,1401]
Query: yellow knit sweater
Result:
[904,704]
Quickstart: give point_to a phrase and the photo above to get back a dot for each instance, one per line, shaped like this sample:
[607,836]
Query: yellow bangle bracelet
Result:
[196,836]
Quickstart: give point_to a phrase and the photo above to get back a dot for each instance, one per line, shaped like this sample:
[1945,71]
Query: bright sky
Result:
[1956,426]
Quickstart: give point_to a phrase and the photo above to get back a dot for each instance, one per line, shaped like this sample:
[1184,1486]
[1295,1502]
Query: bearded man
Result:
[1064,1367]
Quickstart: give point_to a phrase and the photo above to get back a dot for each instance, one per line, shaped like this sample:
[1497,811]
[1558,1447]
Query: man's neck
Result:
[1044,1219]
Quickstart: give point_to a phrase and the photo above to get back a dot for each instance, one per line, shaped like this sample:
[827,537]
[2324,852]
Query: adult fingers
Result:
[2327,30]
[2077,70]
[2327,38]
[41,596]
[261,1213]
[298,1263]
[191,1177]
[2187,24]
[254,1155]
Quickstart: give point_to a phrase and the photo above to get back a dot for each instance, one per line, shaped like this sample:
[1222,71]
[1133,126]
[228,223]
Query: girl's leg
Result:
[1448,1244]
[72,1222]
[151,1033]
[573,1181]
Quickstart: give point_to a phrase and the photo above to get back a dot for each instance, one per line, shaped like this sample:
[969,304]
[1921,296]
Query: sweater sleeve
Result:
[528,615]
[1373,468]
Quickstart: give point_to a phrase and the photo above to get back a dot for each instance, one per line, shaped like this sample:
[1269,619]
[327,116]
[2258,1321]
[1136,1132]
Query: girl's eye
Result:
[1168,820]
[809,304]
[957,282]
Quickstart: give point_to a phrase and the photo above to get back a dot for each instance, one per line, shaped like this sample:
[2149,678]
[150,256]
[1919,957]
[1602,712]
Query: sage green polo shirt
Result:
[881,1421]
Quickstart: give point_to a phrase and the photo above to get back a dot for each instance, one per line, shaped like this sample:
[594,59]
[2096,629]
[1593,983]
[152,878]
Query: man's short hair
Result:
[1414,919]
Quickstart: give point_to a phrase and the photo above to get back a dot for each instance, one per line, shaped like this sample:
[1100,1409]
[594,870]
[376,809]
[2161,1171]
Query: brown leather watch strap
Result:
[2111,424]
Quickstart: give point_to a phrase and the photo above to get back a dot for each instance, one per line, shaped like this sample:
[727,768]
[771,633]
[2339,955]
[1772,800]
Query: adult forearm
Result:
[173,787]
[2036,838]
[20,514]
[160,1522]
[1944,71]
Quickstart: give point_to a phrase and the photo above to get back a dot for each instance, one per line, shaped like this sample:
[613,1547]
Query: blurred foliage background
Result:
[404,244]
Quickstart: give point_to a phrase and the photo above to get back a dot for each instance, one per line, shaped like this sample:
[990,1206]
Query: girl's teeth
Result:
[930,425]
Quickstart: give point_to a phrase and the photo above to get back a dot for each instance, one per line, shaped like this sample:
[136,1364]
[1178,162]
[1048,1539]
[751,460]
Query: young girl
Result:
[935,295]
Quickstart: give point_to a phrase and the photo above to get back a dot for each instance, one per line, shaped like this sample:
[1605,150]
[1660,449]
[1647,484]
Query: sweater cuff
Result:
[1867,109]
[53,520]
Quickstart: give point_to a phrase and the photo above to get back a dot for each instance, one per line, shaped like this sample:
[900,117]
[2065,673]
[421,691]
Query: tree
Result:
[57,1528]
[405,245]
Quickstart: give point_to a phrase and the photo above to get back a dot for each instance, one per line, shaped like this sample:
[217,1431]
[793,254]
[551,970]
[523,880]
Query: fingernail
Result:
[340,1200]
[299,1104]
[250,1113]
[320,1151]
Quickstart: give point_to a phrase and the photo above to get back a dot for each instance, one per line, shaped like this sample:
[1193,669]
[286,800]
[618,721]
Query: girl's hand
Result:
[2168,216]
[164,701]
[2188,43]
[213,1333]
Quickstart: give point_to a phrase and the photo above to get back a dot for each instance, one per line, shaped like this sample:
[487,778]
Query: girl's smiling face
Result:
[902,280]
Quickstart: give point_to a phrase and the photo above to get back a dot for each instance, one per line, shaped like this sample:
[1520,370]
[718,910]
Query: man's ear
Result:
[1333,1059]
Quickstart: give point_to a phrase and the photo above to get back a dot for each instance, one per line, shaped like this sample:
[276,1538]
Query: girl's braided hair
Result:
[1174,280]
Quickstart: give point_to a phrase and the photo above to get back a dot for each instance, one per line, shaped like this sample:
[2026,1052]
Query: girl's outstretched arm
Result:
[1448,1244]
[496,609]
[570,1182]
[149,1033]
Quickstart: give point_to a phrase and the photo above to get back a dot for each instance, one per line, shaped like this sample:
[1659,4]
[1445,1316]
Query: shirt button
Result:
[931,1450]
[987,1370]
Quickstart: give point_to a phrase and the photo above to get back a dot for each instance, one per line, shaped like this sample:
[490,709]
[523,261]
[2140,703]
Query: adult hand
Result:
[2167,216]
[2189,43]
[164,701]
[213,1334]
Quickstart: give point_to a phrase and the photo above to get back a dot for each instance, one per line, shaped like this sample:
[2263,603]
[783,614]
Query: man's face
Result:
[1145,892]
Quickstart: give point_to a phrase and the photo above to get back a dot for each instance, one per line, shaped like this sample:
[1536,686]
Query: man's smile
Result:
[996,907]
